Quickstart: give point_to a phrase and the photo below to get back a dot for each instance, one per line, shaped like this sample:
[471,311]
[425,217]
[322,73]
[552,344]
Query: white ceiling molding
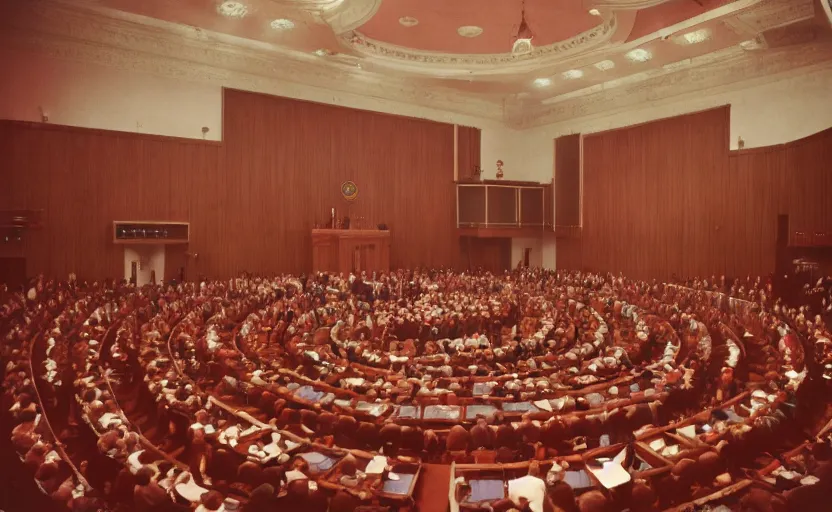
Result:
[771,14]
[720,12]
[455,64]
[735,68]
[200,56]
[624,4]
[483,90]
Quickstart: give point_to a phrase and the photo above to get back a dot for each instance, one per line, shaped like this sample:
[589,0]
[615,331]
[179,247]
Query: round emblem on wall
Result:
[349,190]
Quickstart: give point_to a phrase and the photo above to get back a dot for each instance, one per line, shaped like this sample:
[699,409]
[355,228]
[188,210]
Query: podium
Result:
[350,250]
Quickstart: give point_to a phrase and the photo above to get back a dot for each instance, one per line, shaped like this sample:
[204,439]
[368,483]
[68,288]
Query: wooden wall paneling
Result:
[568,180]
[669,198]
[491,254]
[807,169]
[549,207]
[659,199]
[251,201]
[402,167]
[649,196]
[469,152]
[531,206]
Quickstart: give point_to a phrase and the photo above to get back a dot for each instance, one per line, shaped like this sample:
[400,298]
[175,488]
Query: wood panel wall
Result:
[568,180]
[668,198]
[86,179]
[468,154]
[491,254]
[251,200]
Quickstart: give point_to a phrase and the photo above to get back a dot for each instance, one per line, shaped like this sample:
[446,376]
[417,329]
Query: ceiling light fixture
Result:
[322,52]
[695,37]
[605,65]
[523,38]
[573,74]
[752,44]
[282,24]
[408,21]
[595,12]
[232,9]
[639,55]
[542,82]
[469,31]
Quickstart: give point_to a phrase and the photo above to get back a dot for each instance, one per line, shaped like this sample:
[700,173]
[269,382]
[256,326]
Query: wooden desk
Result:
[350,250]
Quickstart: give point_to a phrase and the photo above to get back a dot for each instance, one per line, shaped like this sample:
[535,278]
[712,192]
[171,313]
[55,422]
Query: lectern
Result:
[350,250]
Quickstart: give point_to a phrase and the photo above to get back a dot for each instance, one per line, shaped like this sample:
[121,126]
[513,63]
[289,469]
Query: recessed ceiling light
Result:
[697,36]
[605,65]
[572,74]
[322,52]
[542,82]
[639,55]
[469,31]
[282,24]
[408,21]
[595,12]
[751,44]
[232,9]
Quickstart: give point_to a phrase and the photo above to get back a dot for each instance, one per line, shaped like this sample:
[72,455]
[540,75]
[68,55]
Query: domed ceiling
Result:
[475,26]
[578,48]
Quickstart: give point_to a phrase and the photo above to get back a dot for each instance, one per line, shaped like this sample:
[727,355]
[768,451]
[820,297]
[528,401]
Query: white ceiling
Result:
[684,45]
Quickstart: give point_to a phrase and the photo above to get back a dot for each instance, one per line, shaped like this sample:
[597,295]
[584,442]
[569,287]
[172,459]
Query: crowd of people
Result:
[545,390]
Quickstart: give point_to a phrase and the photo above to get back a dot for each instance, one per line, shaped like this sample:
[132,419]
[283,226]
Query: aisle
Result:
[431,493]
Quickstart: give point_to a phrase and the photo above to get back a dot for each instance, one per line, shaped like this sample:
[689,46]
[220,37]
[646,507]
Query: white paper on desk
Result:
[611,474]
[209,429]
[376,465]
[543,404]
[272,450]
[108,418]
[250,430]
[657,445]
[670,451]
[529,487]
[689,431]
[294,474]
[191,491]
[134,462]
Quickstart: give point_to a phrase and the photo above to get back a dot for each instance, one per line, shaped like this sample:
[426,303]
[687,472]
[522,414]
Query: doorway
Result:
[527,256]
[144,263]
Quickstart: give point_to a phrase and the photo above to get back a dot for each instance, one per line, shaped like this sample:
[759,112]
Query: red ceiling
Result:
[550,21]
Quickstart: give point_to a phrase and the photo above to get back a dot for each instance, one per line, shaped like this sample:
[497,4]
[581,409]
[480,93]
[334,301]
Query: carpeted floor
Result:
[431,493]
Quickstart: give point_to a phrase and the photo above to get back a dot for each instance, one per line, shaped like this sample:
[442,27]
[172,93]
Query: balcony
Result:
[504,209]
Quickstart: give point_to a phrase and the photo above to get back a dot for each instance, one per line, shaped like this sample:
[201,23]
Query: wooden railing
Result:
[503,205]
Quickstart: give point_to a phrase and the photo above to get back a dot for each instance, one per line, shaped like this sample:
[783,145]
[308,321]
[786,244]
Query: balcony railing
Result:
[503,205]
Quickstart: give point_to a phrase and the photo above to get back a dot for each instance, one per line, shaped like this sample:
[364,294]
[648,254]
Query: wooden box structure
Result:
[150,232]
[350,250]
